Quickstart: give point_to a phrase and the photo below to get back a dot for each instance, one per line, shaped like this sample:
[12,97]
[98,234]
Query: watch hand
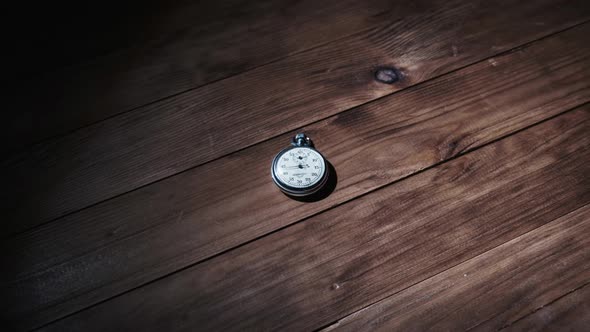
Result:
[298,166]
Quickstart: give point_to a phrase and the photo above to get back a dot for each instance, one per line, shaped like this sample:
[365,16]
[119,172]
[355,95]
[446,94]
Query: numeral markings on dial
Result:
[306,165]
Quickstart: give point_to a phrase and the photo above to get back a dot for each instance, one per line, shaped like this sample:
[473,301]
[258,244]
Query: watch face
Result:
[300,167]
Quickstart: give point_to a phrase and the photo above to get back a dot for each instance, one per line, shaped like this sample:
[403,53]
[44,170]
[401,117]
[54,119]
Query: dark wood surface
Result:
[339,261]
[493,290]
[162,54]
[461,194]
[568,313]
[187,212]
[302,44]
[159,140]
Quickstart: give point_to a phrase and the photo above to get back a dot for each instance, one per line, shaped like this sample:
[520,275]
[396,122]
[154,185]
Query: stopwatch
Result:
[299,170]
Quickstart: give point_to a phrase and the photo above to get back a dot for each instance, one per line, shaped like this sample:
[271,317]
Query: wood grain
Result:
[569,313]
[147,234]
[492,290]
[164,48]
[338,262]
[162,139]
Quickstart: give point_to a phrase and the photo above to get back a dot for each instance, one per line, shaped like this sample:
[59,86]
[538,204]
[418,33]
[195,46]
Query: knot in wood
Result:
[387,75]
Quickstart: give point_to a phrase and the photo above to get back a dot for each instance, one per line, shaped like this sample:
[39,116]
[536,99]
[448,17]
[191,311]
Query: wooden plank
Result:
[165,48]
[338,262]
[569,313]
[130,241]
[491,290]
[138,148]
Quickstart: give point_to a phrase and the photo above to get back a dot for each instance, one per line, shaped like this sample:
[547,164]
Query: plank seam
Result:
[458,155]
[503,53]
[543,306]
[335,322]
[176,94]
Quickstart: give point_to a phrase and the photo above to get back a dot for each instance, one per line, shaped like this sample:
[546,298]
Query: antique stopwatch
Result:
[299,170]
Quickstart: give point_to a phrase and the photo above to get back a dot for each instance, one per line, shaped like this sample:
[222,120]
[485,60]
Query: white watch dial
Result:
[300,167]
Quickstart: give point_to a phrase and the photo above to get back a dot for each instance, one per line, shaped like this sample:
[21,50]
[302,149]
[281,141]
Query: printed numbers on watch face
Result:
[300,167]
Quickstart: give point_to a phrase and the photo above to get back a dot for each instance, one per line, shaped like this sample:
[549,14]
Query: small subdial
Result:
[300,156]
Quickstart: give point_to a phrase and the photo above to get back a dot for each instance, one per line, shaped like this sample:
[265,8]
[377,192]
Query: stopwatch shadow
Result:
[325,191]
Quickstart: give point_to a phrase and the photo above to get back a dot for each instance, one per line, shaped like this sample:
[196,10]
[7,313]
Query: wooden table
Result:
[137,194]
